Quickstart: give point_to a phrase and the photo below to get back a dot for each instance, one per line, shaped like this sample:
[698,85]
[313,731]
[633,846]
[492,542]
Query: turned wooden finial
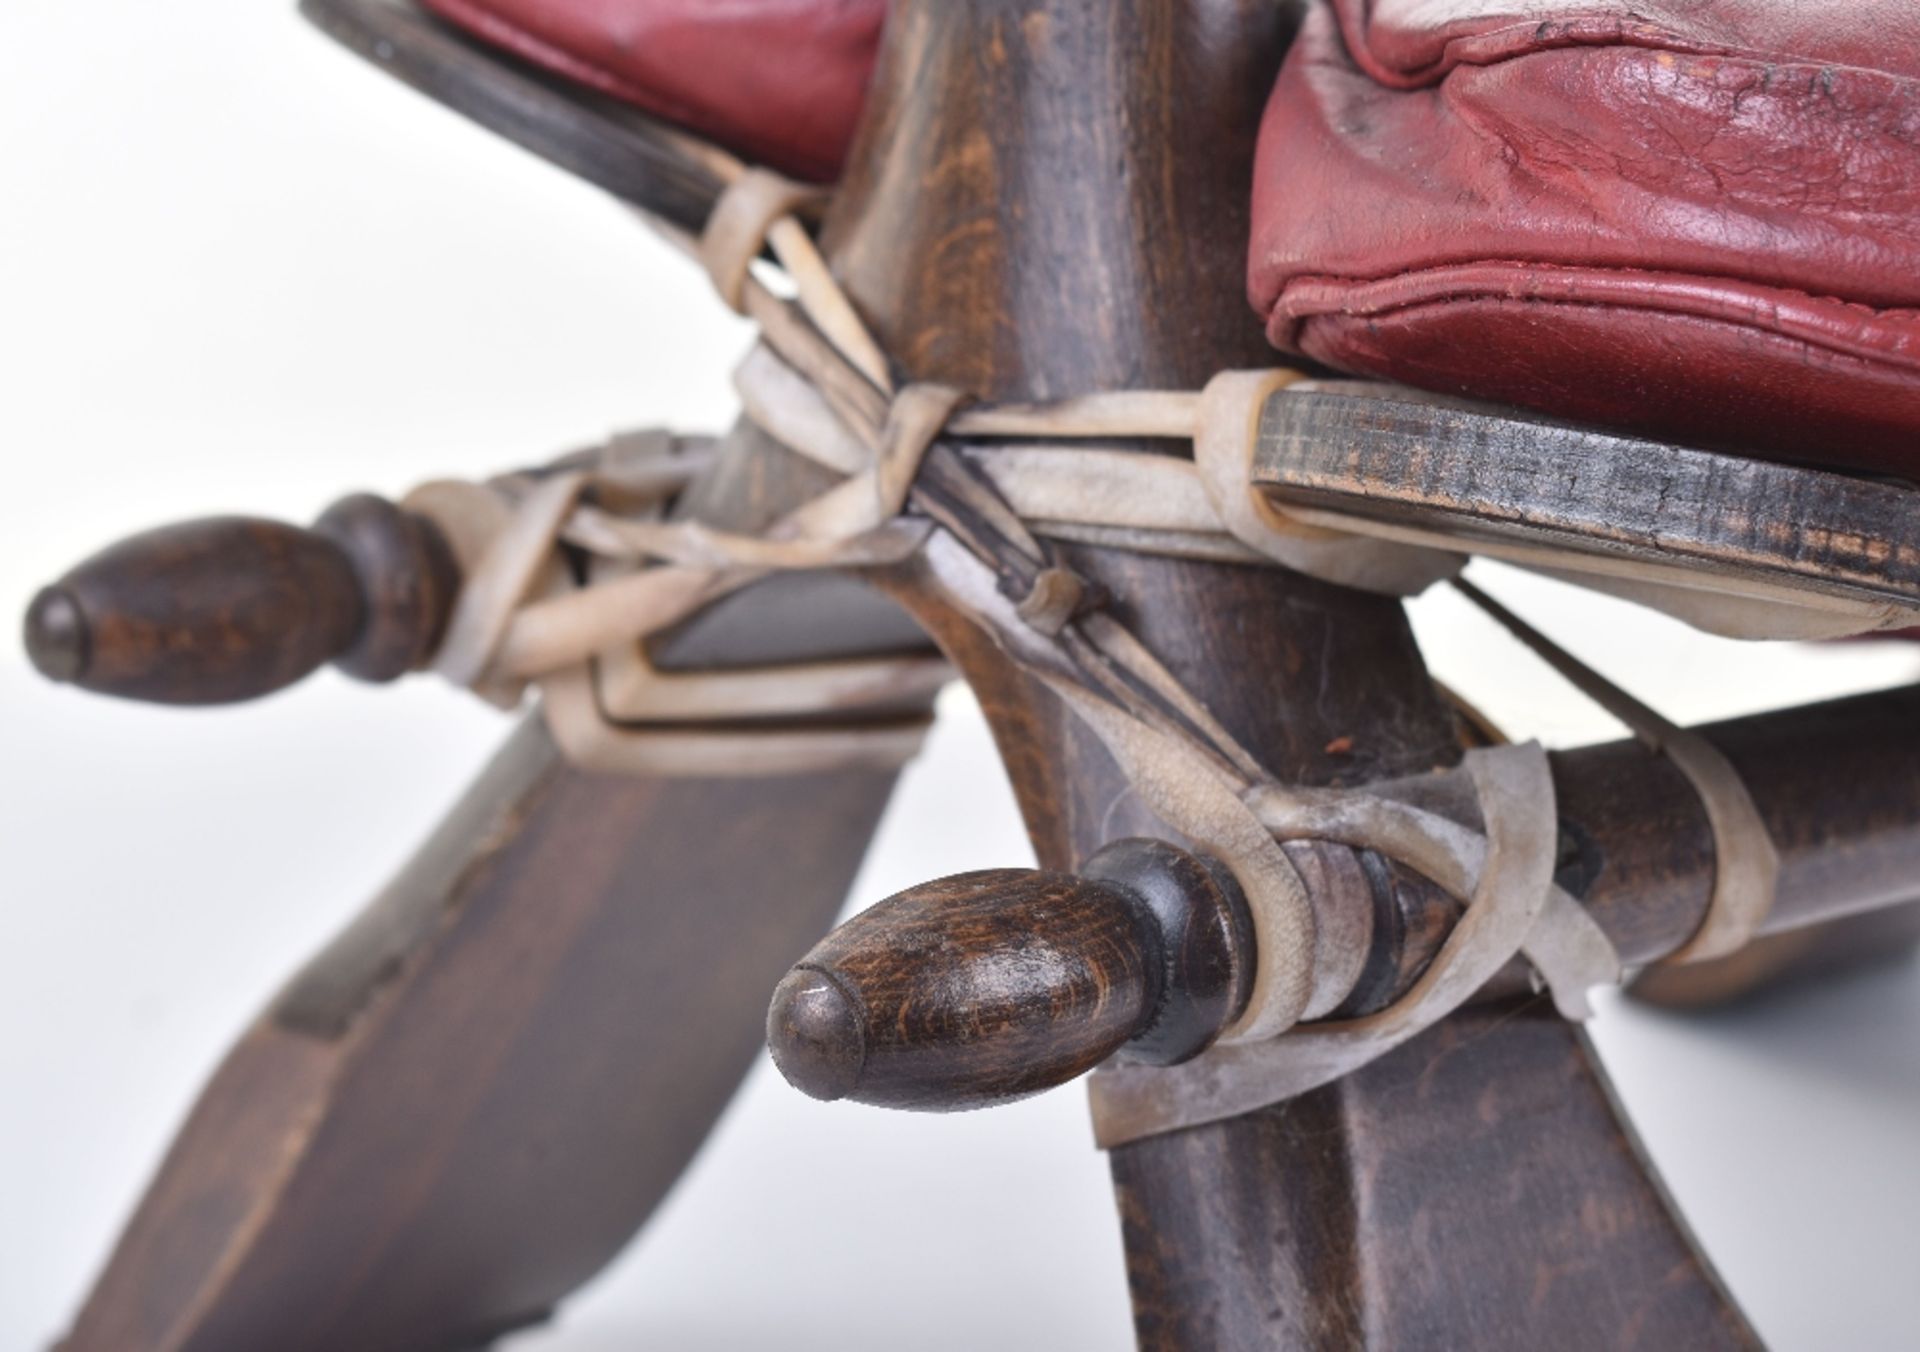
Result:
[987,987]
[229,608]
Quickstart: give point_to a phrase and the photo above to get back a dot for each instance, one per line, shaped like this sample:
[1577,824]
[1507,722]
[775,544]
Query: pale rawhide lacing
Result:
[976,491]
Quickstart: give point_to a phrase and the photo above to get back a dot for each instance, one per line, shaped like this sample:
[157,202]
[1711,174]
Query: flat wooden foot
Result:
[466,1106]
[1478,1187]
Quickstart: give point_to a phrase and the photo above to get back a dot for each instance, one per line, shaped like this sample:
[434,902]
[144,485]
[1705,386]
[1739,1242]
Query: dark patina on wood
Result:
[230,608]
[1472,1189]
[605,142]
[1490,476]
[977,989]
[1837,785]
[986,987]
[1048,198]
[349,1179]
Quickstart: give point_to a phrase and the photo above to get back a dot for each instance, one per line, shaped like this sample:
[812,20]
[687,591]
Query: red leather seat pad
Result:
[1697,221]
[781,82]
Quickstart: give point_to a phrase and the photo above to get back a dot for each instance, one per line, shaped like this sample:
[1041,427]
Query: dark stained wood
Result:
[607,143]
[1471,1189]
[408,582]
[1837,784]
[1485,475]
[973,990]
[204,612]
[1018,266]
[1202,937]
[464,1108]
[986,987]
[231,608]
[1049,197]
[468,1103]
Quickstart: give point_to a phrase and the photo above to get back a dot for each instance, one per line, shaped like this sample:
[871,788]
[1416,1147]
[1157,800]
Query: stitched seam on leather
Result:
[1628,35]
[1463,290]
[1544,266]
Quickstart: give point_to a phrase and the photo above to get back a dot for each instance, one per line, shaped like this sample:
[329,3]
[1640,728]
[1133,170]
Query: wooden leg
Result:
[467,1105]
[1006,229]
[1478,1187]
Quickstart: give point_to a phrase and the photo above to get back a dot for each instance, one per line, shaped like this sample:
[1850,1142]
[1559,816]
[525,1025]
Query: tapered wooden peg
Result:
[987,987]
[229,608]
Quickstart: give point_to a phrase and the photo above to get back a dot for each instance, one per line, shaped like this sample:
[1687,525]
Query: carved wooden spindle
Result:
[987,987]
[229,608]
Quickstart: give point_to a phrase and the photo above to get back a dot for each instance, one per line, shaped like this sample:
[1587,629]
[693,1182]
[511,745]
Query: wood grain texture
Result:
[1007,213]
[968,991]
[463,1109]
[1836,785]
[604,142]
[1203,942]
[465,1106]
[1048,197]
[1472,1189]
[408,583]
[203,612]
[986,987]
[231,608]
[1489,475]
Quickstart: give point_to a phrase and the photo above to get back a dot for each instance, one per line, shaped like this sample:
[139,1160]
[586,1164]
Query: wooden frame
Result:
[1269,1229]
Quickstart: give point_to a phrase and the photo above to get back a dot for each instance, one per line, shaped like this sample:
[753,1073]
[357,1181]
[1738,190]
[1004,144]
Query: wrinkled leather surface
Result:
[1696,219]
[781,82]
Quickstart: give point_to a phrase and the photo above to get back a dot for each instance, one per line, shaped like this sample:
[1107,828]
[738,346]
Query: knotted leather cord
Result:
[979,517]
[506,535]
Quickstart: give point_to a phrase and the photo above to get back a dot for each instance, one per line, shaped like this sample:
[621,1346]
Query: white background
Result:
[239,271]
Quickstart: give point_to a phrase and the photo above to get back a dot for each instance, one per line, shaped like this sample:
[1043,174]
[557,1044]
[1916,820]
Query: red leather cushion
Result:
[1697,219]
[779,81]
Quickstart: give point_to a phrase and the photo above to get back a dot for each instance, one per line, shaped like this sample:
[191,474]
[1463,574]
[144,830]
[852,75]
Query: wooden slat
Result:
[609,144]
[1478,476]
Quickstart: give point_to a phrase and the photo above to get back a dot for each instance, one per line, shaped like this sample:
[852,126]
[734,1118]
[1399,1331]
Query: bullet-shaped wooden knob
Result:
[228,608]
[987,987]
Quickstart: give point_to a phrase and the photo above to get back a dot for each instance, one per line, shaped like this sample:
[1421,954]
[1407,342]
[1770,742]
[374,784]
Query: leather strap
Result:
[1746,863]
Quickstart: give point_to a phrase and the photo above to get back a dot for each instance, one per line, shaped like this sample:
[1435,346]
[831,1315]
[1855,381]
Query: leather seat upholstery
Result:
[1696,219]
[781,82]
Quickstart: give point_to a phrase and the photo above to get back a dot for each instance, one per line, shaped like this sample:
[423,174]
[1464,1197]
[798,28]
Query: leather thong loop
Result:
[721,724]
[736,231]
[1224,438]
[1510,899]
[970,491]
[1746,863]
